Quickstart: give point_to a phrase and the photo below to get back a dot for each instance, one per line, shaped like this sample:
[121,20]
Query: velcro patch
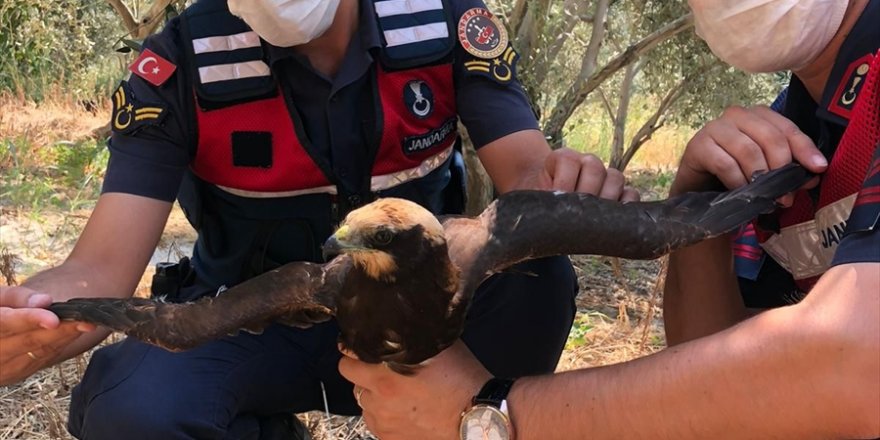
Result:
[130,115]
[501,69]
[433,138]
[252,149]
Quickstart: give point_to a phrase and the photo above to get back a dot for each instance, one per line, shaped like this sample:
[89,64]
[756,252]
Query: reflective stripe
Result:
[226,42]
[415,34]
[223,72]
[330,189]
[806,249]
[377,183]
[399,7]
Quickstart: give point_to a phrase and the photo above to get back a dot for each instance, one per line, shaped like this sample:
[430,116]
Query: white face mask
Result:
[768,35]
[286,23]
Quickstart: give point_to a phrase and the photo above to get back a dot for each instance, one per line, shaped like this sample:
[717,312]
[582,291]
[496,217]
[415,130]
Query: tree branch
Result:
[125,14]
[589,79]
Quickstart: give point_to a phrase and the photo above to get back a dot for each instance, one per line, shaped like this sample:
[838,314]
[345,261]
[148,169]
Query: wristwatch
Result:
[488,418]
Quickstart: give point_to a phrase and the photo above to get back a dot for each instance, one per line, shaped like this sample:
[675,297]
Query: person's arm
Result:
[806,371]
[811,370]
[148,157]
[107,261]
[701,295]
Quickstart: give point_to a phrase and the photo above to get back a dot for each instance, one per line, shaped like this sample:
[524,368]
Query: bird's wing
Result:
[298,294]
[530,224]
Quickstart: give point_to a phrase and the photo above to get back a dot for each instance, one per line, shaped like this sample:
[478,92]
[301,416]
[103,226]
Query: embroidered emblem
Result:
[851,83]
[152,68]
[482,34]
[129,114]
[419,98]
[501,70]
[417,144]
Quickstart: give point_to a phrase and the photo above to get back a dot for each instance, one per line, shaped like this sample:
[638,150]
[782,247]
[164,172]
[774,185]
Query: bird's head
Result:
[384,235]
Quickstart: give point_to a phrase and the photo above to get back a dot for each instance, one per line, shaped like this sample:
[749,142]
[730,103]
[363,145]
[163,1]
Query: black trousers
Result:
[517,326]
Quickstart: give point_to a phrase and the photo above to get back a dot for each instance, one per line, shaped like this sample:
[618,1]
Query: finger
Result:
[630,194]
[44,342]
[14,321]
[591,175]
[763,126]
[745,151]
[356,372]
[803,149]
[564,174]
[21,297]
[718,162]
[346,352]
[612,187]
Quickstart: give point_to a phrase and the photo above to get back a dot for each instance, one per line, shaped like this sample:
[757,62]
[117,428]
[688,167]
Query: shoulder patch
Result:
[481,34]
[152,68]
[844,99]
[501,69]
[130,115]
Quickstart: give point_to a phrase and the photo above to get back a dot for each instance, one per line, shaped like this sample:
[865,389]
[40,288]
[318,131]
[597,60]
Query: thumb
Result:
[18,297]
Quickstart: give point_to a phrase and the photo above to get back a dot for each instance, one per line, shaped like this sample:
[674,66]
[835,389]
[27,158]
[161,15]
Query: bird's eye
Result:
[383,236]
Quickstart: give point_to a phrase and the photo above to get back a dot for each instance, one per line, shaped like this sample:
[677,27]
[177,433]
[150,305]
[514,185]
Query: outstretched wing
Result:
[298,294]
[531,224]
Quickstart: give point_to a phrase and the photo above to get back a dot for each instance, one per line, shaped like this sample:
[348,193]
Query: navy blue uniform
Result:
[517,325]
[763,281]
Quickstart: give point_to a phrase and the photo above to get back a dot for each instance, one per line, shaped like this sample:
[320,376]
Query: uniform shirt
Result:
[151,162]
[774,286]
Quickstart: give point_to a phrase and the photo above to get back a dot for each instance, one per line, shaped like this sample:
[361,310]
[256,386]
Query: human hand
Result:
[570,171]
[31,337]
[427,405]
[743,141]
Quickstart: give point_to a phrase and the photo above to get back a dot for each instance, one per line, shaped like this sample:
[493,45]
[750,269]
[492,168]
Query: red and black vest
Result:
[250,142]
[810,231]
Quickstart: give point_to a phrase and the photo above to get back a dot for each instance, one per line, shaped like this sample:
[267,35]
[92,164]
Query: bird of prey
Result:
[399,280]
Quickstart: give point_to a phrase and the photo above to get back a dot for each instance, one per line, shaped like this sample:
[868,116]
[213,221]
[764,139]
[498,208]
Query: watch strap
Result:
[494,392]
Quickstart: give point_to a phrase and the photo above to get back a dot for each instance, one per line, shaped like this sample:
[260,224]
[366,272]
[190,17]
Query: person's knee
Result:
[120,415]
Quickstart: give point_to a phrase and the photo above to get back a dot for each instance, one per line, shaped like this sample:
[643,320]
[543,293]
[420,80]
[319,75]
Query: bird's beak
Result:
[337,244]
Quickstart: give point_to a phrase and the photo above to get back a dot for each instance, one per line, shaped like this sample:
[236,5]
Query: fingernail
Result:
[85,328]
[38,299]
[820,161]
[46,325]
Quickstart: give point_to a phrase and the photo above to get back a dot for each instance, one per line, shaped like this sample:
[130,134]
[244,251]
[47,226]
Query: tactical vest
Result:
[809,231]
[252,149]
[250,141]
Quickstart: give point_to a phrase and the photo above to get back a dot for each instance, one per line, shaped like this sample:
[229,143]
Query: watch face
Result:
[484,422]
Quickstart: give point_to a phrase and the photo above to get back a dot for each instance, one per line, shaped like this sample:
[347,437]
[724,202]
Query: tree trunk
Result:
[623,112]
[480,189]
[589,79]
[658,118]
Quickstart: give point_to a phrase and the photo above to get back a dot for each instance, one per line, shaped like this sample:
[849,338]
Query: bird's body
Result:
[401,281]
[396,303]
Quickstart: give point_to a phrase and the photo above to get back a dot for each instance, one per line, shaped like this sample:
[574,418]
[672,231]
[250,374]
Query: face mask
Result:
[768,35]
[286,23]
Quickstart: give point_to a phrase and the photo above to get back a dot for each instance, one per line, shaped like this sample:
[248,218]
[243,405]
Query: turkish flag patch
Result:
[152,68]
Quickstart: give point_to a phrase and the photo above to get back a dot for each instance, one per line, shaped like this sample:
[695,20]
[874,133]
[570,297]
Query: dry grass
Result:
[618,315]
[57,118]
